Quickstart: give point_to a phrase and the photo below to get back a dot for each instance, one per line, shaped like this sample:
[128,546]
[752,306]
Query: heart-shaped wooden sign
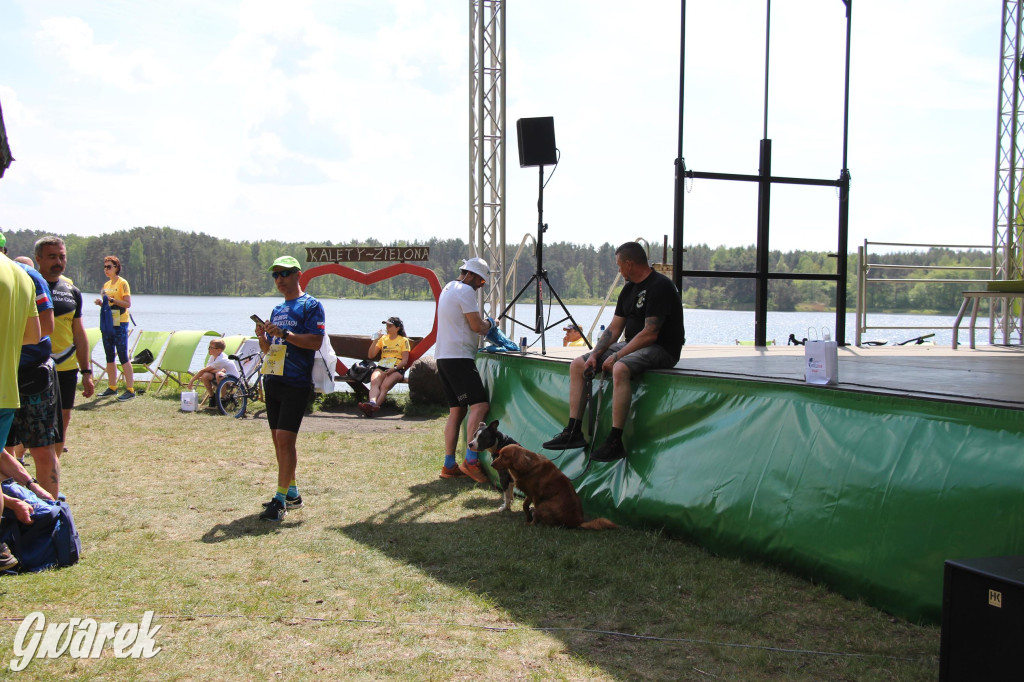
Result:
[378,276]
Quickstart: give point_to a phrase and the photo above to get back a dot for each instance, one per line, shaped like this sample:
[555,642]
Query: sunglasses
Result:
[283,273]
[108,266]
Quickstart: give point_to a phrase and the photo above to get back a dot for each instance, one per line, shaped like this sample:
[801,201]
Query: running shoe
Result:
[609,452]
[473,470]
[127,395]
[566,440]
[275,511]
[451,472]
[289,502]
[7,560]
[108,392]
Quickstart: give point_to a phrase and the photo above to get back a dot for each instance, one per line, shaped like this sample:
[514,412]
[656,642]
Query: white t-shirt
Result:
[222,363]
[455,338]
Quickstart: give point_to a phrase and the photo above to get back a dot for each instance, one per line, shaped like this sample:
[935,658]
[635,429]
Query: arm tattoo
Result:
[653,324]
[602,343]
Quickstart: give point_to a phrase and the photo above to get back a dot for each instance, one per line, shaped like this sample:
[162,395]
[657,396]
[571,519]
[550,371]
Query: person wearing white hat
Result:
[459,326]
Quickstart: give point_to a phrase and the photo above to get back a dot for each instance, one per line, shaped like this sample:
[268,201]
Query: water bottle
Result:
[377,334]
[522,345]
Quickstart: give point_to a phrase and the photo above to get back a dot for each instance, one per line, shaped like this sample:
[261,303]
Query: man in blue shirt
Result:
[290,339]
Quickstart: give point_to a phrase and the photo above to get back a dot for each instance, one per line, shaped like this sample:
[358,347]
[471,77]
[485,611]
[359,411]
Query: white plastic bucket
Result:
[188,401]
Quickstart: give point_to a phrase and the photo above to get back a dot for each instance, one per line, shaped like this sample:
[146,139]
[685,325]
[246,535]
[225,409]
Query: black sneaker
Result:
[289,502]
[609,452]
[566,440]
[275,511]
[108,392]
[127,395]
[7,560]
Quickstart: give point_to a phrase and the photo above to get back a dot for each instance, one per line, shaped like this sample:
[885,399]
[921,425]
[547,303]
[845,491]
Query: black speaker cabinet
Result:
[983,620]
[536,141]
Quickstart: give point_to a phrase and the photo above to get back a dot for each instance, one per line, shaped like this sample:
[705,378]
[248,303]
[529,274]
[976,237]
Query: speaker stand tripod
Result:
[540,278]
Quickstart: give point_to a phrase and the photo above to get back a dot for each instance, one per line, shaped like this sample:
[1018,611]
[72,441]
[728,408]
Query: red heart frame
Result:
[377,276]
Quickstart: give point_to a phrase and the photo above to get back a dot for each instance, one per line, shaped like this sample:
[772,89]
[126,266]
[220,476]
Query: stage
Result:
[917,456]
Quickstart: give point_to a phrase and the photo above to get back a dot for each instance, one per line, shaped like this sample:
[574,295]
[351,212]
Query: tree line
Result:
[162,260]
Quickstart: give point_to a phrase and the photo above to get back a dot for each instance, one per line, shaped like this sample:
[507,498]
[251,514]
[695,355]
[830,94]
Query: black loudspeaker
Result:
[983,620]
[536,141]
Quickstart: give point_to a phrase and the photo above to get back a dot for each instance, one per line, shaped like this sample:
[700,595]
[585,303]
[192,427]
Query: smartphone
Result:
[256,319]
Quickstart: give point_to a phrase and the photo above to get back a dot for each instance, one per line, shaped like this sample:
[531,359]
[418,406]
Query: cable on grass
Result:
[499,628]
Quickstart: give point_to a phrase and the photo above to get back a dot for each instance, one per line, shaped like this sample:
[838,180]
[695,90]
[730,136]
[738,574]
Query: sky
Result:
[348,119]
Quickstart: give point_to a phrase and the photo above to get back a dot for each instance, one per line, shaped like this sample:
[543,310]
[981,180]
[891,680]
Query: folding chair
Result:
[176,362]
[154,343]
[94,336]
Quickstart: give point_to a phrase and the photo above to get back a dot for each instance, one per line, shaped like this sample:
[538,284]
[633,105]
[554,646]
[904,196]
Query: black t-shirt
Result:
[656,296]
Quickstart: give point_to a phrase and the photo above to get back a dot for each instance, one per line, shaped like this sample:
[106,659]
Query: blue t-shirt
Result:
[36,354]
[302,315]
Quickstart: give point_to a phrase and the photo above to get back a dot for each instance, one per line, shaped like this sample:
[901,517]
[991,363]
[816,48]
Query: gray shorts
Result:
[639,361]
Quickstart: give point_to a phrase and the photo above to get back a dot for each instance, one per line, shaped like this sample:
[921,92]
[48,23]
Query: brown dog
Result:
[550,492]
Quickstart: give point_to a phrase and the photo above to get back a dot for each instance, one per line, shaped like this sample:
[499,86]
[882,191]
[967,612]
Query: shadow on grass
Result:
[584,586]
[542,577]
[247,526]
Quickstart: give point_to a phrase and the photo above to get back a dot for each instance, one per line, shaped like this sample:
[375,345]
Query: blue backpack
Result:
[50,541]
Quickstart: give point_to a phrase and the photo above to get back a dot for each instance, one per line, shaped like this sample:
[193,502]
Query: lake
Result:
[230,315]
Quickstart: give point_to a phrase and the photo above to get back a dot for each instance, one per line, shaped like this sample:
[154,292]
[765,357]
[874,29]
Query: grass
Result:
[392,573]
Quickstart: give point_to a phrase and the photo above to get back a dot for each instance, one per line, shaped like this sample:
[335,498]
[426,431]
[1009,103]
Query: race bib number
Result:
[387,363]
[273,363]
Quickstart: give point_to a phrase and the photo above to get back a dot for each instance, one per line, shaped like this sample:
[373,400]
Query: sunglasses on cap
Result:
[283,273]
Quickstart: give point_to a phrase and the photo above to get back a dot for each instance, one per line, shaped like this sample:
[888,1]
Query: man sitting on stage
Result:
[650,311]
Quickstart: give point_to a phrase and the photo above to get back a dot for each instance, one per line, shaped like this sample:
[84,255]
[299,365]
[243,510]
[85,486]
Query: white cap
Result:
[478,266]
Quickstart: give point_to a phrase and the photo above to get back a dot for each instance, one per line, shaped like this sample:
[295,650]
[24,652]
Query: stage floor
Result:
[989,375]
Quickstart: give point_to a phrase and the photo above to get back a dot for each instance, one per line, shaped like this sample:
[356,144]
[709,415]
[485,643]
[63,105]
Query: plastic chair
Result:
[176,362]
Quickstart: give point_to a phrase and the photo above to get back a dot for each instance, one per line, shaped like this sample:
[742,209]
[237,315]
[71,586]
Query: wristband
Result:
[285,334]
[85,371]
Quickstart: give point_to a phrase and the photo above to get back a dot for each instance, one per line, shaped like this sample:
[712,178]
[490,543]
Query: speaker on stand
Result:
[537,148]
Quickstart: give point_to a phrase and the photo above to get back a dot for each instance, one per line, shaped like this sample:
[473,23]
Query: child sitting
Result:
[218,368]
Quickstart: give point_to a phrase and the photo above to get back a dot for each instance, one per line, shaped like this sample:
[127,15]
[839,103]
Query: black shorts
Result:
[286,405]
[461,382]
[68,382]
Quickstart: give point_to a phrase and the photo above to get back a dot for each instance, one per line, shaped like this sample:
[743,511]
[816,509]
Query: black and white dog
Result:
[489,438]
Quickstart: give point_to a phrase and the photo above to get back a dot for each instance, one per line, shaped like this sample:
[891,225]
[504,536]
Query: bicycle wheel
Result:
[231,397]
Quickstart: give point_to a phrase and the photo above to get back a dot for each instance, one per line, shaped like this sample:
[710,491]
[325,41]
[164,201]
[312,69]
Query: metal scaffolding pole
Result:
[1007,221]
[487,144]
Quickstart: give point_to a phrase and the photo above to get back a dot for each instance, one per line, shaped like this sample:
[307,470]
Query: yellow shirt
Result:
[118,289]
[19,296]
[391,350]
[577,342]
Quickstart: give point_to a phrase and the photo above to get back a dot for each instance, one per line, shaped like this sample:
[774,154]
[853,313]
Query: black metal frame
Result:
[540,278]
[762,275]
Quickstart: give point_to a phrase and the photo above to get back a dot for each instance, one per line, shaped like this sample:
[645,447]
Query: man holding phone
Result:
[290,340]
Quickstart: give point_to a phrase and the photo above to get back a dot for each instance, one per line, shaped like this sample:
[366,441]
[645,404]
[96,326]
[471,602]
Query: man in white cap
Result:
[459,326]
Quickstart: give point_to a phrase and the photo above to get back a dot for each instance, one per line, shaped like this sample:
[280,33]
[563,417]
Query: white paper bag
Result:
[821,361]
[188,401]
[324,364]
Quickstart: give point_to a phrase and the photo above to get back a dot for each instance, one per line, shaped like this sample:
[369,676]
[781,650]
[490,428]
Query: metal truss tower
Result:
[487,143]
[1008,213]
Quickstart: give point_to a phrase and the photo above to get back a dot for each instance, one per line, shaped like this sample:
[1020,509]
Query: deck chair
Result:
[176,364]
[94,336]
[154,343]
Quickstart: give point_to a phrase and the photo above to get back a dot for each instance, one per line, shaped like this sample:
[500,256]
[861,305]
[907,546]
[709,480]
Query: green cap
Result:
[285,262]
[3,240]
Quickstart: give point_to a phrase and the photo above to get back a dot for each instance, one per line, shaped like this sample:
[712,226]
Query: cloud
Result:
[133,70]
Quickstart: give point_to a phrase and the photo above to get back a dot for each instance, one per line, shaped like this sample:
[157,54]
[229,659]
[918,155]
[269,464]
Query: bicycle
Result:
[235,392]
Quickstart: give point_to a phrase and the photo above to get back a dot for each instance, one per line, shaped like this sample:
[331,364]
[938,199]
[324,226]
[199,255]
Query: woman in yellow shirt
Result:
[393,348]
[118,296]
